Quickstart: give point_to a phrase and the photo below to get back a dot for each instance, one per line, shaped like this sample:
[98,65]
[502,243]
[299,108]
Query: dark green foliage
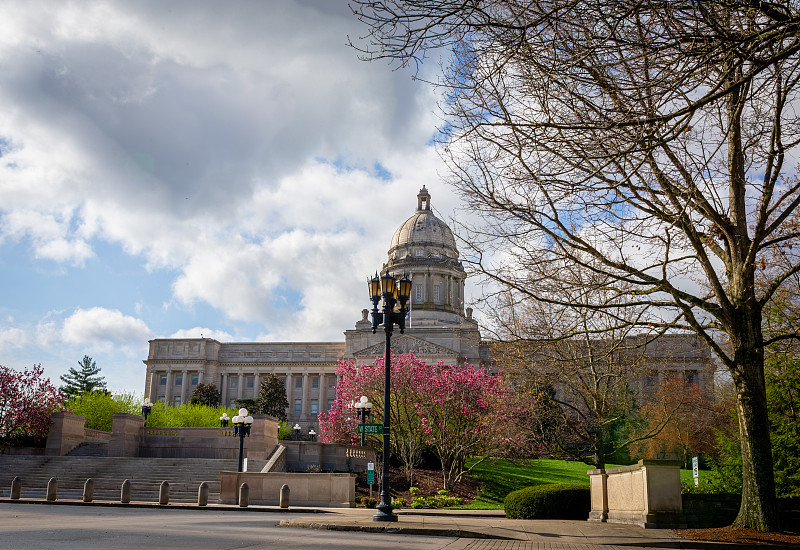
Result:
[556,501]
[77,382]
[272,397]
[205,394]
[248,403]
[782,377]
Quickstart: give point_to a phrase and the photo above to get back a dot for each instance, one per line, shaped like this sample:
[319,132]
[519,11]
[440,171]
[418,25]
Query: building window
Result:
[179,380]
[418,252]
[690,377]
[251,381]
[314,406]
[163,380]
[332,383]
[298,407]
[418,293]
[195,379]
[436,293]
[177,400]
[234,382]
[298,381]
[315,382]
[162,399]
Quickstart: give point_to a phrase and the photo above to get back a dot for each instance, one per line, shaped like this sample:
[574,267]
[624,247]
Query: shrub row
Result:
[553,501]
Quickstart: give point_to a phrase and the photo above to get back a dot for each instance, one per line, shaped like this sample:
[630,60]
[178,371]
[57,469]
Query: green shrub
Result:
[285,431]
[441,492]
[98,408]
[369,502]
[399,502]
[554,501]
[418,502]
[190,415]
[414,491]
[358,500]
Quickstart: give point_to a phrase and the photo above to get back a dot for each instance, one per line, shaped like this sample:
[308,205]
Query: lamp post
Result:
[312,434]
[394,293]
[363,410]
[241,427]
[223,420]
[296,431]
[147,406]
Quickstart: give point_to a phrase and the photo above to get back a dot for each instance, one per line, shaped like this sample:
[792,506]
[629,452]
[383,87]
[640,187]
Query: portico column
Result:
[184,386]
[241,384]
[153,385]
[305,396]
[168,393]
[256,385]
[323,393]
[224,392]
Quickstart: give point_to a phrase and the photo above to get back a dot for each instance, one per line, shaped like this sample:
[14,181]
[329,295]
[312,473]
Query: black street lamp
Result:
[394,293]
[241,427]
[312,435]
[223,420]
[296,431]
[147,406]
[363,410]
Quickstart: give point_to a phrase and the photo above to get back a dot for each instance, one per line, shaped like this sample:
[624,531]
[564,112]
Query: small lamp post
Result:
[393,292]
[312,434]
[147,406]
[363,410]
[296,431]
[241,427]
[223,420]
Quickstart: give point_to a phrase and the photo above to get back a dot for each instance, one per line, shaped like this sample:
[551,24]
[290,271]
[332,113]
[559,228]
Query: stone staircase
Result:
[145,474]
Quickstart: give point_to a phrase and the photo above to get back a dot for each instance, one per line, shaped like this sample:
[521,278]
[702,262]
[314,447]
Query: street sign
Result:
[370,476]
[370,428]
[696,470]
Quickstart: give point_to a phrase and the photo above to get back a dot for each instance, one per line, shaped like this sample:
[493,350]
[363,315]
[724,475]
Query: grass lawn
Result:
[500,477]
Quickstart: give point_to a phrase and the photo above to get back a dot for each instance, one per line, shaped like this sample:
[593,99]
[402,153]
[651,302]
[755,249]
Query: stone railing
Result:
[647,494]
[96,436]
[330,457]
[277,461]
[326,490]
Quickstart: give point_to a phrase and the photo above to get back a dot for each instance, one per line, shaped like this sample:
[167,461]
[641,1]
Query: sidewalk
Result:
[490,530]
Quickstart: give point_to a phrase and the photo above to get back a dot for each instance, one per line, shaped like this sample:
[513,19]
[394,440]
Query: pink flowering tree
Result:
[457,411]
[27,399]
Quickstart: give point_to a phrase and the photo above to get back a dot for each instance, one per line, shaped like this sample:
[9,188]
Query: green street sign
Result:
[370,428]
[370,476]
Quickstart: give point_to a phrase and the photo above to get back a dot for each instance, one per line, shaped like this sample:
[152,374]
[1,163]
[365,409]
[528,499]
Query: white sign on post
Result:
[370,465]
[696,470]
[244,464]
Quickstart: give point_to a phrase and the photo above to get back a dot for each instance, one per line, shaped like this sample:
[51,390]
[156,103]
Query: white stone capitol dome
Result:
[423,234]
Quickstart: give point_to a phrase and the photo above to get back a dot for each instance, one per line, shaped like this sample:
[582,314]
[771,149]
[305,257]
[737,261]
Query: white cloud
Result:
[12,338]
[203,332]
[97,328]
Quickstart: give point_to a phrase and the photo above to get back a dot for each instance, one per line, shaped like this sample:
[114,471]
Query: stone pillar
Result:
[241,385]
[168,393]
[223,391]
[598,494]
[126,433]
[323,393]
[263,437]
[306,400]
[256,384]
[185,383]
[153,385]
[66,433]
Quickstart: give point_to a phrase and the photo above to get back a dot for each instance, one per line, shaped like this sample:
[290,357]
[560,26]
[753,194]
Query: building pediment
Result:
[404,343]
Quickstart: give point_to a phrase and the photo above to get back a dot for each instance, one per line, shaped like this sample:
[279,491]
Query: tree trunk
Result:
[759,508]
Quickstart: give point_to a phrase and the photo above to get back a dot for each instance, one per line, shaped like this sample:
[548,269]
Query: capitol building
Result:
[439,328]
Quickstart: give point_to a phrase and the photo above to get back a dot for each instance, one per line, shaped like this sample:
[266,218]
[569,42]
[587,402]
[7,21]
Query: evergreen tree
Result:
[77,382]
[272,398]
[205,394]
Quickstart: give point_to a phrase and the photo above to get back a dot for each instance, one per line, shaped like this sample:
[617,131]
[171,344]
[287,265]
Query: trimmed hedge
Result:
[552,501]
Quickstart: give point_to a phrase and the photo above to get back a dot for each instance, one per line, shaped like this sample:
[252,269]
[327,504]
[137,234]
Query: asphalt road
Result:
[33,526]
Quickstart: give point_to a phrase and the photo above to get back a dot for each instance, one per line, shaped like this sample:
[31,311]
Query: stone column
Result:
[126,433]
[241,385]
[224,389]
[153,395]
[170,381]
[185,383]
[256,384]
[323,393]
[306,400]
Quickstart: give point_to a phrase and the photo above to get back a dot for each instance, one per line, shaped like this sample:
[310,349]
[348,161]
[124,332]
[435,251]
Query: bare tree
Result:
[650,136]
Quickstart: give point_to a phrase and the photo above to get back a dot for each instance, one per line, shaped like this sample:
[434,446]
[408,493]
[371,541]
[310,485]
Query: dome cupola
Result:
[424,249]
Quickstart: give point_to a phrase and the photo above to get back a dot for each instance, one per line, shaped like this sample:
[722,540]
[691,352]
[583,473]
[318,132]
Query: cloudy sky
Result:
[172,169]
